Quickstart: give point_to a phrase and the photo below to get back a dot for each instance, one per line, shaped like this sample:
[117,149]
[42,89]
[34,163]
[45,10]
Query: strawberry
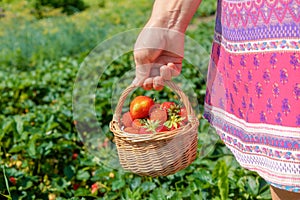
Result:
[13,180]
[76,186]
[138,123]
[161,128]
[175,127]
[94,188]
[140,106]
[126,119]
[158,114]
[155,106]
[131,130]
[144,130]
[167,105]
[74,156]
[139,126]
[171,108]
[151,125]
[173,122]
[183,114]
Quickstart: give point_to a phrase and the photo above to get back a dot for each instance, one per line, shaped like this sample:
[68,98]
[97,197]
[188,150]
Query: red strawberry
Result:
[131,130]
[76,186]
[175,127]
[74,156]
[13,180]
[173,122]
[94,188]
[137,123]
[153,126]
[126,119]
[167,105]
[140,106]
[183,114]
[144,131]
[155,106]
[158,115]
[162,128]
[140,126]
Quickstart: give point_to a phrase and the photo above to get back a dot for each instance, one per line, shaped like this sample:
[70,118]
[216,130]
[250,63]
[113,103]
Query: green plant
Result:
[41,153]
[41,149]
[68,6]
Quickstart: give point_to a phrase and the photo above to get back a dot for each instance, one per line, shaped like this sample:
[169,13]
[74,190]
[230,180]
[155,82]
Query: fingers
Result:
[148,84]
[142,72]
[158,83]
[154,76]
[175,68]
[170,70]
[166,72]
[147,77]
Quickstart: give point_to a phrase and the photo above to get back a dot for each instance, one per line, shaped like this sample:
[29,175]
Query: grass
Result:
[26,41]
[7,185]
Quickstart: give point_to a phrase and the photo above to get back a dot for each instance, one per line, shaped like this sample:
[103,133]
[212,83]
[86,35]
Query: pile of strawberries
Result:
[147,116]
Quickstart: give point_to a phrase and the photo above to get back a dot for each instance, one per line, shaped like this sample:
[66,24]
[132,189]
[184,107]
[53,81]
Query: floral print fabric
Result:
[253,87]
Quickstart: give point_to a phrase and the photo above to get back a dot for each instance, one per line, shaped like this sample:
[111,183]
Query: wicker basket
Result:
[158,154]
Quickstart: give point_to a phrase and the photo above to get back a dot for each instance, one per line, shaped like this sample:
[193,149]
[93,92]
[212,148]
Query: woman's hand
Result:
[158,51]
[158,55]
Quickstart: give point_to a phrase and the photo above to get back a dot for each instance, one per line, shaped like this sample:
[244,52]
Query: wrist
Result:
[170,21]
[173,14]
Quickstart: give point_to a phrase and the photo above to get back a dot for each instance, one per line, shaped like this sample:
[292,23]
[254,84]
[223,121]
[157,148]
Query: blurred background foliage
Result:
[43,43]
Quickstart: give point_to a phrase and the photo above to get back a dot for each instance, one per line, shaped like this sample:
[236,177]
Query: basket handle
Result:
[170,84]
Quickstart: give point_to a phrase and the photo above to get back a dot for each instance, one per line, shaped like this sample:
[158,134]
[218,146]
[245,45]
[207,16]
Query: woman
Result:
[253,82]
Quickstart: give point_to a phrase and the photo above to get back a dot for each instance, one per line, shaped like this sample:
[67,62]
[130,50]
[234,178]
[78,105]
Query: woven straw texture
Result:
[157,154]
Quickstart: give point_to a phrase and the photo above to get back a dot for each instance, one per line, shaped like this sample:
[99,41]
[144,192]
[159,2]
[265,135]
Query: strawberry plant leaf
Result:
[82,192]
[6,126]
[17,148]
[158,193]
[69,171]
[82,175]
[118,184]
[264,195]
[249,185]
[19,124]
[221,174]
[148,186]
[136,182]
[187,192]
[31,147]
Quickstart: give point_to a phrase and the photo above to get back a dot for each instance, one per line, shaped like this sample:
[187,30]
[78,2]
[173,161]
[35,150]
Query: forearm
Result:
[173,14]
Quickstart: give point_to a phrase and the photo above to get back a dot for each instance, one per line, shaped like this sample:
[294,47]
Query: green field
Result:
[41,154]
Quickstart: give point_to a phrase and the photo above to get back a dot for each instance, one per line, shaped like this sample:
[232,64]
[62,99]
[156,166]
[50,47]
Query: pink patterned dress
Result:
[253,87]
